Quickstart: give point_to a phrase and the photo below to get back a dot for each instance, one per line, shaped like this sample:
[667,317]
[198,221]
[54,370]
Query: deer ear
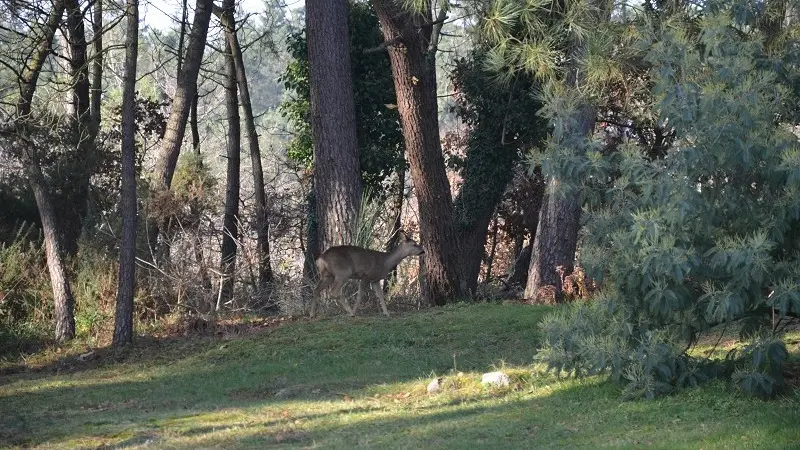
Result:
[401,235]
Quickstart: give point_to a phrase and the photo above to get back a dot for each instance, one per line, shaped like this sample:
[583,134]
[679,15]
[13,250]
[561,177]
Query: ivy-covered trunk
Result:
[407,35]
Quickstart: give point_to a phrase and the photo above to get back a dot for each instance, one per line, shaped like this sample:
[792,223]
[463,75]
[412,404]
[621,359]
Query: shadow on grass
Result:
[326,360]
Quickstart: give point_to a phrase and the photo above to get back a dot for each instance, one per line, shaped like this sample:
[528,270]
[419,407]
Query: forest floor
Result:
[344,383]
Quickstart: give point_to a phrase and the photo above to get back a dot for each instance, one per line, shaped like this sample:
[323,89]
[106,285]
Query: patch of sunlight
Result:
[92,379]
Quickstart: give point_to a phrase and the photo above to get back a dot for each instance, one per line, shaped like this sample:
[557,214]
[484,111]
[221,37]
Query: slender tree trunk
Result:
[398,221]
[488,170]
[167,157]
[193,122]
[230,228]
[97,65]
[62,293]
[33,68]
[265,276]
[490,261]
[313,246]
[123,326]
[519,272]
[78,64]
[409,40]
[77,204]
[337,176]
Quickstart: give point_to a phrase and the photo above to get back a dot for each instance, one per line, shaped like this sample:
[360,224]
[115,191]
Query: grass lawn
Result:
[345,383]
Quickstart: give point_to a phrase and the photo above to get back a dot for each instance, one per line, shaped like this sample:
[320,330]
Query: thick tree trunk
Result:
[265,276]
[559,221]
[123,326]
[167,157]
[337,176]
[408,38]
[230,227]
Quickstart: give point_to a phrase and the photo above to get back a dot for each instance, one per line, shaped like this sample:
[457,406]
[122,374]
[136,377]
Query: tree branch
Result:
[383,46]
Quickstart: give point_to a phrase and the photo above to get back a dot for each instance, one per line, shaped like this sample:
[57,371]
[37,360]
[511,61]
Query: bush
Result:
[706,234]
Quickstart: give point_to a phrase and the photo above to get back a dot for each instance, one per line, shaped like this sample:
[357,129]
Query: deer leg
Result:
[338,286]
[362,286]
[324,282]
[376,286]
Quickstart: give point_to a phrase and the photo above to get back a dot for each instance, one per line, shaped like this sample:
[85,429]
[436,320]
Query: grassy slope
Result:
[346,383]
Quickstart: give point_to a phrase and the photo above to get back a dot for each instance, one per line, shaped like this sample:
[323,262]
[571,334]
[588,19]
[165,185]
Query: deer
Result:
[348,262]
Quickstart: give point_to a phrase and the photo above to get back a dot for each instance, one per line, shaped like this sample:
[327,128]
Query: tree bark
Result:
[265,276]
[97,64]
[75,205]
[167,157]
[33,68]
[62,293]
[123,325]
[230,228]
[414,73]
[490,260]
[559,221]
[337,176]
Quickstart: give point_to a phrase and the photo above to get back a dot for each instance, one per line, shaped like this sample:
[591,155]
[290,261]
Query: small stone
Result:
[86,356]
[434,385]
[496,379]
[287,392]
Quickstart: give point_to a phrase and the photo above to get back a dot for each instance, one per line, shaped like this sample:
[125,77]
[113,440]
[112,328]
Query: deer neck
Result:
[394,257]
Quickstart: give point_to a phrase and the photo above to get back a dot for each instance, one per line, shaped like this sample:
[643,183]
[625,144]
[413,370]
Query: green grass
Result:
[345,383]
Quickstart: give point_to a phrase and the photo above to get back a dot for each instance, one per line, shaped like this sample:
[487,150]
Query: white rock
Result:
[434,385]
[495,378]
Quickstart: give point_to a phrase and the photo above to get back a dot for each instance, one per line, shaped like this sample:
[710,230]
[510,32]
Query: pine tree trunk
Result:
[408,37]
[167,157]
[230,227]
[76,206]
[123,326]
[62,294]
[97,64]
[559,221]
[493,249]
[398,222]
[265,276]
[337,176]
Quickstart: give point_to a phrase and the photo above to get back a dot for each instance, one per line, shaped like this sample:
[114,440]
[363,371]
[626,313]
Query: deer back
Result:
[347,261]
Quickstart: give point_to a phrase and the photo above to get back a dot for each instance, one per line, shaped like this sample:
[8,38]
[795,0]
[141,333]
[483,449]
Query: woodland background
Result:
[637,161]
